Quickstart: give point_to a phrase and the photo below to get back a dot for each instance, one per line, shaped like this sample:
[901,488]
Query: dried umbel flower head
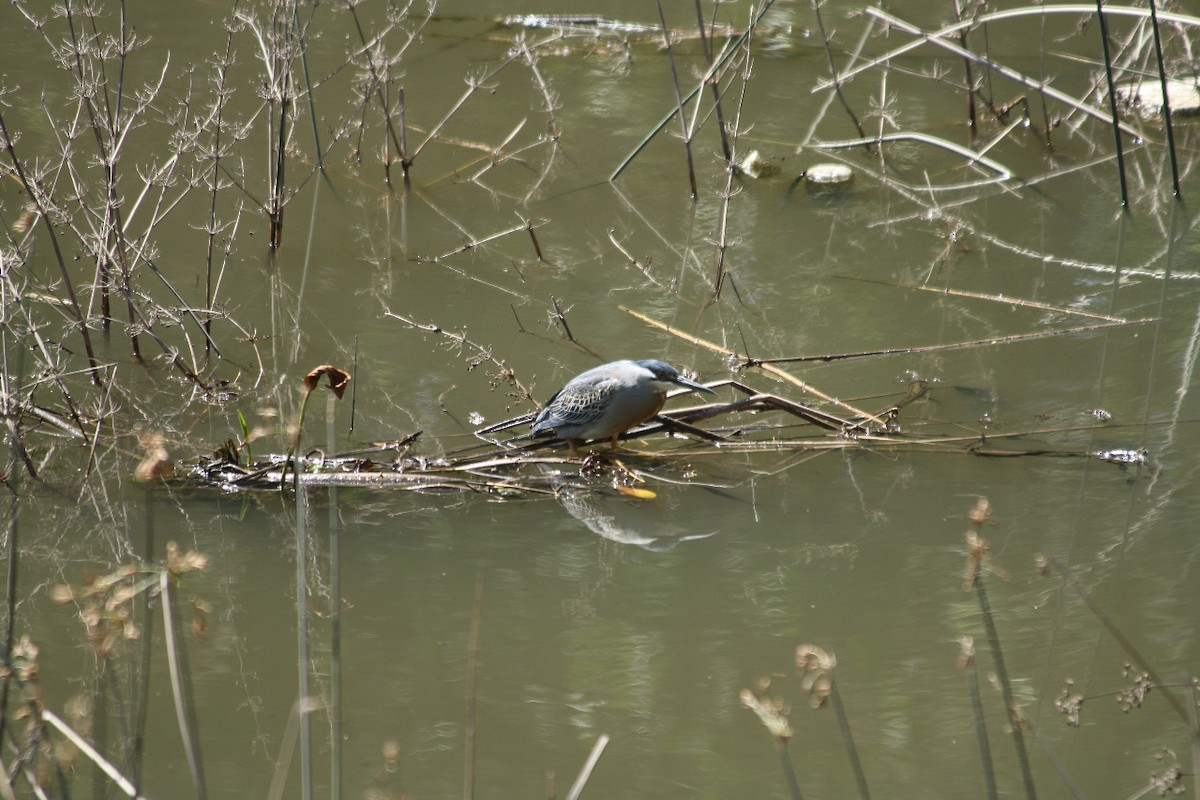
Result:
[771,713]
[1069,703]
[966,652]
[179,563]
[157,461]
[981,513]
[816,672]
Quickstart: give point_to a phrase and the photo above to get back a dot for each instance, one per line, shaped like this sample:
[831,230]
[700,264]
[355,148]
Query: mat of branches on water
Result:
[507,463]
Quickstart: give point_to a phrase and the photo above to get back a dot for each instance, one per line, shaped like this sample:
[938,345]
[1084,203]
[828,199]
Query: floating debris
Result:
[576,22]
[823,177]
[1124,458]
[754,165]
[1146,97]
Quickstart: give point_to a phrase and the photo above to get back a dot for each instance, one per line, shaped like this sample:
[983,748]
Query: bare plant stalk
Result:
[966,661]
[308,87]
[221,92]
[972,122]
[683,126]
[789,771]
[473,85]
[36,197]
[335,615]
[377,85]
[706,44]
[85,747]
[185,711]
[302,638]
[585,771]
[472,689]
[1162,82]
[275,210]
[109,126]
[938,39]
[977,549]
[731,49]
[837,81]
[722,241]
[839,710]
[1128,646]
[10,591]
[1112,102]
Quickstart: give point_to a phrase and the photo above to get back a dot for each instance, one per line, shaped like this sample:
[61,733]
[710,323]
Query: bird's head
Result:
[664,373]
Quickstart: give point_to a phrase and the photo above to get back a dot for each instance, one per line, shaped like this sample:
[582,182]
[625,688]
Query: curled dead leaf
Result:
[338,378]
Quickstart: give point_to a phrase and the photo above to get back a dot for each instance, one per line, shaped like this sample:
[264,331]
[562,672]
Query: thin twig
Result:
[472,689]
[1112,102]
[687,135]
[585,772]
[180,683]
[85,747]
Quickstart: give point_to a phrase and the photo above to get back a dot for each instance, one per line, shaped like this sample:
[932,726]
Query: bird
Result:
[608,400]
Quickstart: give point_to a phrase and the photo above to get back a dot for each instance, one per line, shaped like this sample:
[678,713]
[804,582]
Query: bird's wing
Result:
[576,405]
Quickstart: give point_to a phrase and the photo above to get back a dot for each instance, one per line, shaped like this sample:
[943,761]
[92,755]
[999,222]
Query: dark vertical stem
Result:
[303,704]
[472,676]
[981,734]
[837,81]
[335,615]
[1010,702]
[380,89]
[280,161]
[308,88]
[972,122]
[789,772]
[140,691]
[1059,766]
[687,136]
[10,588]
[1112,102]
[403,135]
[1162,80]
[1128,646]
[714,81]
[839,710]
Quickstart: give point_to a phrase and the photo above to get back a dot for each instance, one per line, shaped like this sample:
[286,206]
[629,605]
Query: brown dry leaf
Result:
[338,378]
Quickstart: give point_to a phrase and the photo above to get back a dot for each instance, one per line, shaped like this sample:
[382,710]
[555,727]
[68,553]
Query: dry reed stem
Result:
[185,712]
[85,747]
[766,367]
[585,772]
[685,133]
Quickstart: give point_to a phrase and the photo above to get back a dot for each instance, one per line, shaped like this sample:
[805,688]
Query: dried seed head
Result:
[981,513]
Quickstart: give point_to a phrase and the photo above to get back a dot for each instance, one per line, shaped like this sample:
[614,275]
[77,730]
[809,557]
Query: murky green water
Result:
[603,615]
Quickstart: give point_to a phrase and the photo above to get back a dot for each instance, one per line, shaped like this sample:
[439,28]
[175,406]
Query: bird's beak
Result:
[691,384]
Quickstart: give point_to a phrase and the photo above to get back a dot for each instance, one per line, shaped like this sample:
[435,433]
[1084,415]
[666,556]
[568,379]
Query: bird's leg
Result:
[615,445]
[573,444]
